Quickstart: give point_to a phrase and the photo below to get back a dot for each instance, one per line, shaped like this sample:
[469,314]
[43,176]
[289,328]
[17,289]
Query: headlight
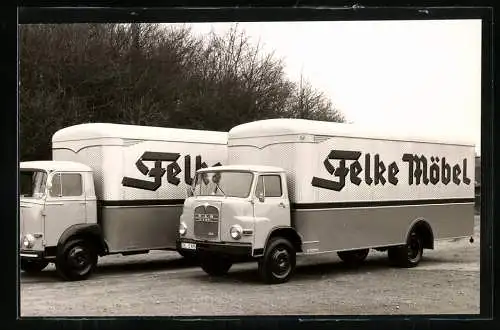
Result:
[182,229]
[28,241]
[236,231]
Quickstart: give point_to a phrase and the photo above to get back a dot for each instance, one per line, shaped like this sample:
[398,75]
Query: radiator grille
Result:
[206,222]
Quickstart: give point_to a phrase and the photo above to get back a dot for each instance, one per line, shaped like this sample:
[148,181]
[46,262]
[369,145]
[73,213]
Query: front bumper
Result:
[32,254]
[233,249]
[47,254]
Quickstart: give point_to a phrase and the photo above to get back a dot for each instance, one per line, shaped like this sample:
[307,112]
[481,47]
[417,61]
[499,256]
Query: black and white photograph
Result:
[249,168]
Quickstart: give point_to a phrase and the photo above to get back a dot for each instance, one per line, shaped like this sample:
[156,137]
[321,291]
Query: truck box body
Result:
[140,175]
[358,187]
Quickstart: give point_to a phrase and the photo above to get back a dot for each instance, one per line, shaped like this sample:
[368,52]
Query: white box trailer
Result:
[109,189]
[300,186]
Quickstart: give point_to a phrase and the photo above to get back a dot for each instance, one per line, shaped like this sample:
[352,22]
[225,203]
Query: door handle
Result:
[281,204]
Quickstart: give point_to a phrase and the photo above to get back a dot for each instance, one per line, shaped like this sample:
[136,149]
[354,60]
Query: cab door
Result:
[65,204]
[271,206]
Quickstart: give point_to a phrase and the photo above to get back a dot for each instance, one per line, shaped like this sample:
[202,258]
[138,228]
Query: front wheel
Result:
[215,265]
[33,266]
[408,255]
[77,260]
[354,257]
[278,263]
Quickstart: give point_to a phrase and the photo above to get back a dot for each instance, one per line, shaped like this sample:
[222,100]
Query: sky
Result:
[422,74]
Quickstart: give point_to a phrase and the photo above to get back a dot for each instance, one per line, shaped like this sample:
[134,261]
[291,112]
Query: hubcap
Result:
[281,262]
[414,249]
[79,259]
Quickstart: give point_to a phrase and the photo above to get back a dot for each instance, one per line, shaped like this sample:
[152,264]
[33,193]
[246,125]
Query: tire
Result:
[215,265]
[278,263]
[354,257]
[409,255]
[33,266]
[77,260]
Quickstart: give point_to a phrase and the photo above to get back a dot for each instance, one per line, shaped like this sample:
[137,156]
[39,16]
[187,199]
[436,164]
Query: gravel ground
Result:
[163,284]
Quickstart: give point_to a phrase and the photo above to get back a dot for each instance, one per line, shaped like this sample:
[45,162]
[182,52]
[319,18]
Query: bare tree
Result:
[309,103]
[148,74]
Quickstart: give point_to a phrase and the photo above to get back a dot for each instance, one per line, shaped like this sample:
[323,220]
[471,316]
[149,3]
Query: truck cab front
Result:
[233,210]
[56,198]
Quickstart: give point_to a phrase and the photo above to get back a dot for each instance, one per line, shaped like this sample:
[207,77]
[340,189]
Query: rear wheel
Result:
[33,266]
[354,257]
[77,260]
[408,255]
[278,263]
[215,265]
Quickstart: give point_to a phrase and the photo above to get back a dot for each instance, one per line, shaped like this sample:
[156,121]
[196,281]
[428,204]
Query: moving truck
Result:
[296,186]
[109,189]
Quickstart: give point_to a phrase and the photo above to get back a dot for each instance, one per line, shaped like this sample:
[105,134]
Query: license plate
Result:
[188,246]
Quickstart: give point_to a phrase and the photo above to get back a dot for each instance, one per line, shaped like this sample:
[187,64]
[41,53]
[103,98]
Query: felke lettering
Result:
[157,172]
[421,170]
[354,170]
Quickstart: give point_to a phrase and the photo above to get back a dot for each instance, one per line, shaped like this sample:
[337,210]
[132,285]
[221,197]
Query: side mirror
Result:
[261,197]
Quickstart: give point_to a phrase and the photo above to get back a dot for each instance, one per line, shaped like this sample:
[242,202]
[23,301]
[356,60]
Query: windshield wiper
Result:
[218,187]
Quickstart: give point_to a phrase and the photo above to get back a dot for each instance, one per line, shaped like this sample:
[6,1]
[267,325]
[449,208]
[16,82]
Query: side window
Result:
[272,184]
[66,184]
[260,186]
[55,189]
[72,184]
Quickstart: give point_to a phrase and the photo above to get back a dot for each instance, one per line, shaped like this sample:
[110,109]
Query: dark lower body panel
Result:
[128,228]
[334,229]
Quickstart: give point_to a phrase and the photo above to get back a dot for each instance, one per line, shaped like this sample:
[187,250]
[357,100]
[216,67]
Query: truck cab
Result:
[57,210]
[240,212]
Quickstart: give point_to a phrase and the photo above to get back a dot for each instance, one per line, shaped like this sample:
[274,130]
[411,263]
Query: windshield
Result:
[223,183]
[32,183]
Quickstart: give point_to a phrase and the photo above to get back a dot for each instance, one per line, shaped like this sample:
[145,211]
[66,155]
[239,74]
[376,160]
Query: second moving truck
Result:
[109,189]
[297,186]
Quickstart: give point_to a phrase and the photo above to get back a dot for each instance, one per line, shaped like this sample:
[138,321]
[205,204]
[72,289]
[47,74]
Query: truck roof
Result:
[50,165]
[252,168]
[288,126]
[136,132]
